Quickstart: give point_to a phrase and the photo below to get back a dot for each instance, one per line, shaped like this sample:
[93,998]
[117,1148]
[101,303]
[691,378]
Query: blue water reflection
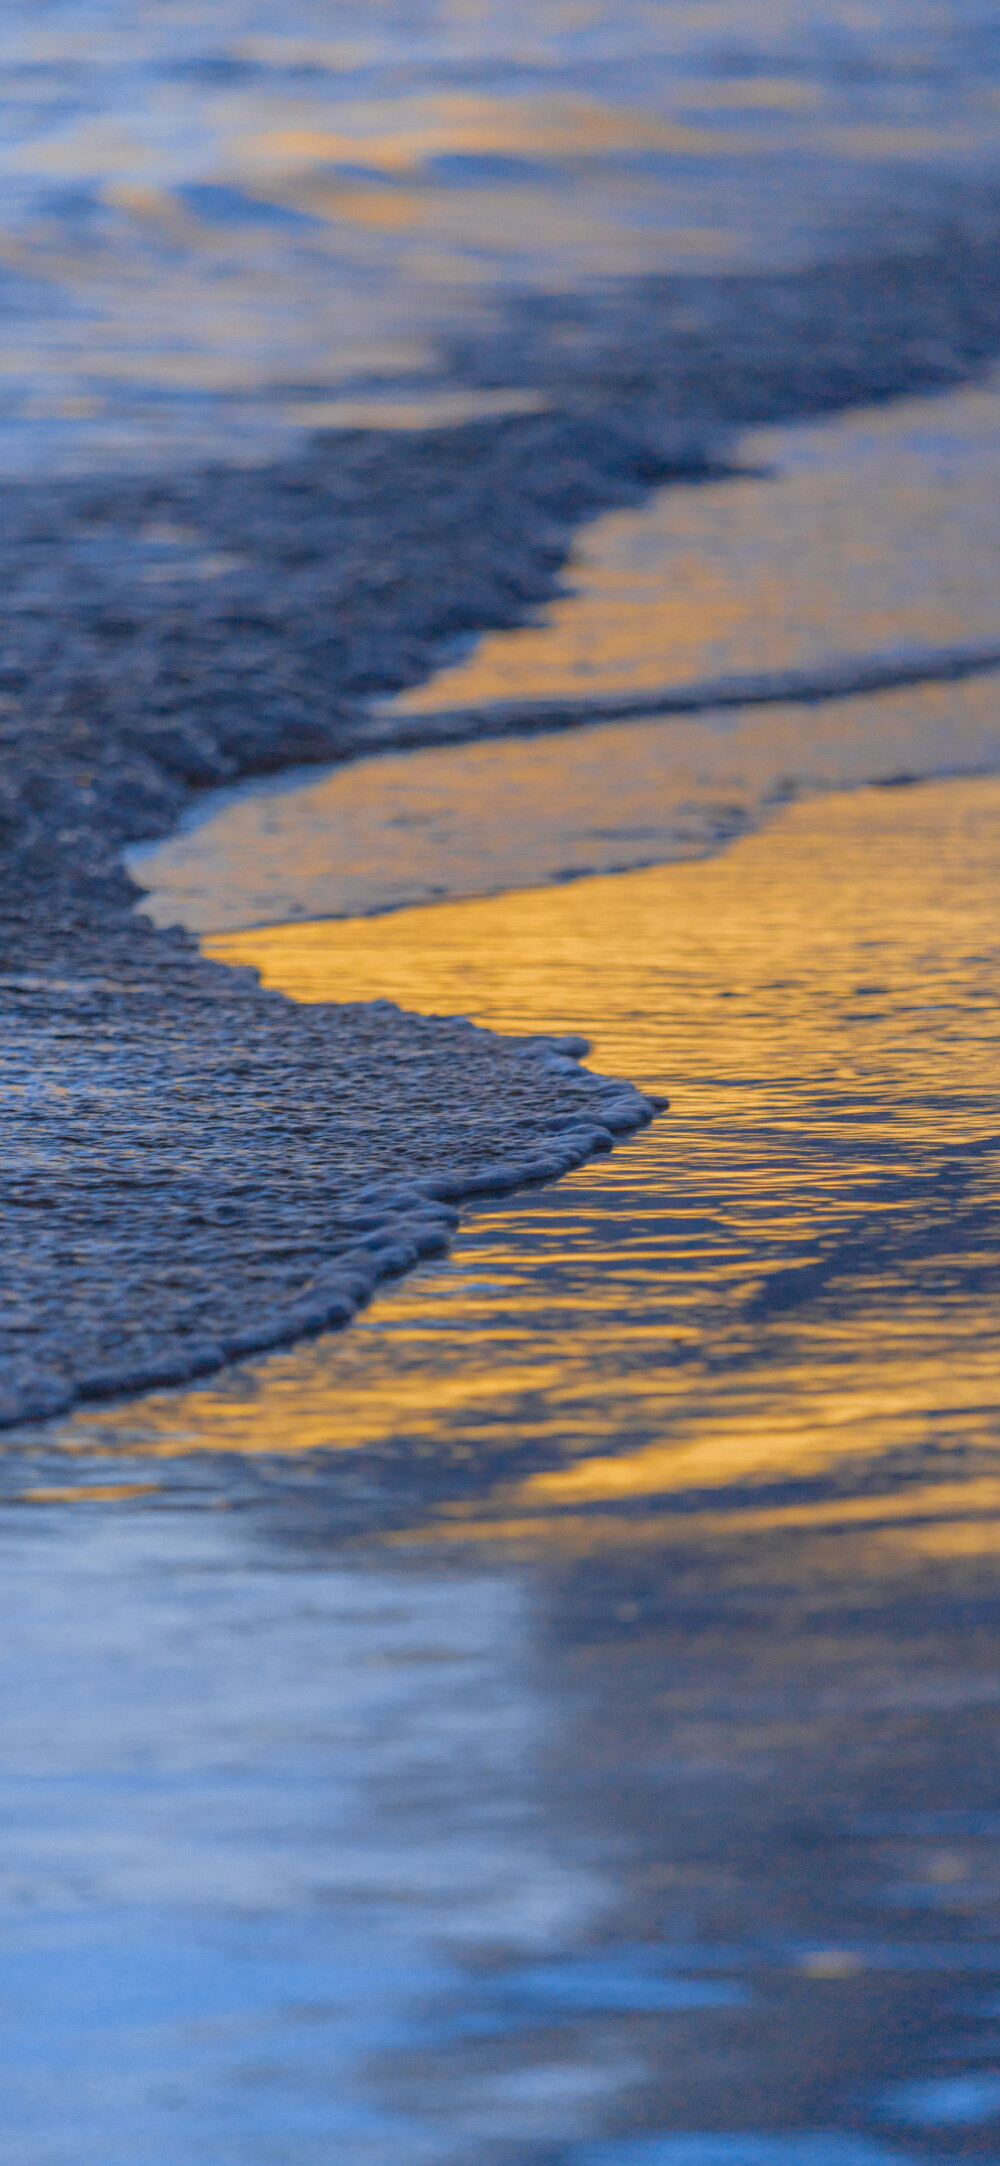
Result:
[603,1630]
[554,1723]
[211,219]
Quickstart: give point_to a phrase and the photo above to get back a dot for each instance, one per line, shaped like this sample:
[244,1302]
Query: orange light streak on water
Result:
[823,1016]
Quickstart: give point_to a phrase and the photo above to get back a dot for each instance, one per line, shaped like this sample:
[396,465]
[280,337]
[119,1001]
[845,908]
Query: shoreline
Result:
[198,1170]
[790,1244]
[169,632]
[157,1100]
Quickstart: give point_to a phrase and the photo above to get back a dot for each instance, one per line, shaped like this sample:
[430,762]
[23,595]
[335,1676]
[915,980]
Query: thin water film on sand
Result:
[873,536]
[550,1723]
[705,1442]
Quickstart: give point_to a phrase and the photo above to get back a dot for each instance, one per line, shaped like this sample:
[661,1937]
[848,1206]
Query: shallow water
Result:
[266,1808]
[620,1593]
[551,1724]
[217,227]
[416,827]
[824,1022]
[875,534]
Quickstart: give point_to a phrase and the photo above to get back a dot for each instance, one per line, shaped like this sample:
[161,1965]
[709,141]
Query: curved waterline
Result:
[850,676]
[783,1281]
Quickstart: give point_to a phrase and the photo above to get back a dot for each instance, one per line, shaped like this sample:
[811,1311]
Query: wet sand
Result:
[554,1720]
[227,1159]
[550,1723]
[785,1270]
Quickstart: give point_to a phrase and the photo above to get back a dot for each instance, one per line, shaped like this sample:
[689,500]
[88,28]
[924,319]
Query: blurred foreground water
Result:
[554,1720]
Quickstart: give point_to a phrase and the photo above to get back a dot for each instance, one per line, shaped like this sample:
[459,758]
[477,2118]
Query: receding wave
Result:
[853,674]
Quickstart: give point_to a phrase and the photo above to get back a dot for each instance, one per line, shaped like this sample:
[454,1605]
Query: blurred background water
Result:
[222,225]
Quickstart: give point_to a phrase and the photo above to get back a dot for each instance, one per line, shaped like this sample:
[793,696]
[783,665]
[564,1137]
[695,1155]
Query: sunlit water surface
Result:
[771,1278]
[574,1742]
[875,534]
[554,1723]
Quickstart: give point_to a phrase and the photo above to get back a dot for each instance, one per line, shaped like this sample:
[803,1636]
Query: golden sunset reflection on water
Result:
[821,1011]
[875,530]
[876,534]
[515,812]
